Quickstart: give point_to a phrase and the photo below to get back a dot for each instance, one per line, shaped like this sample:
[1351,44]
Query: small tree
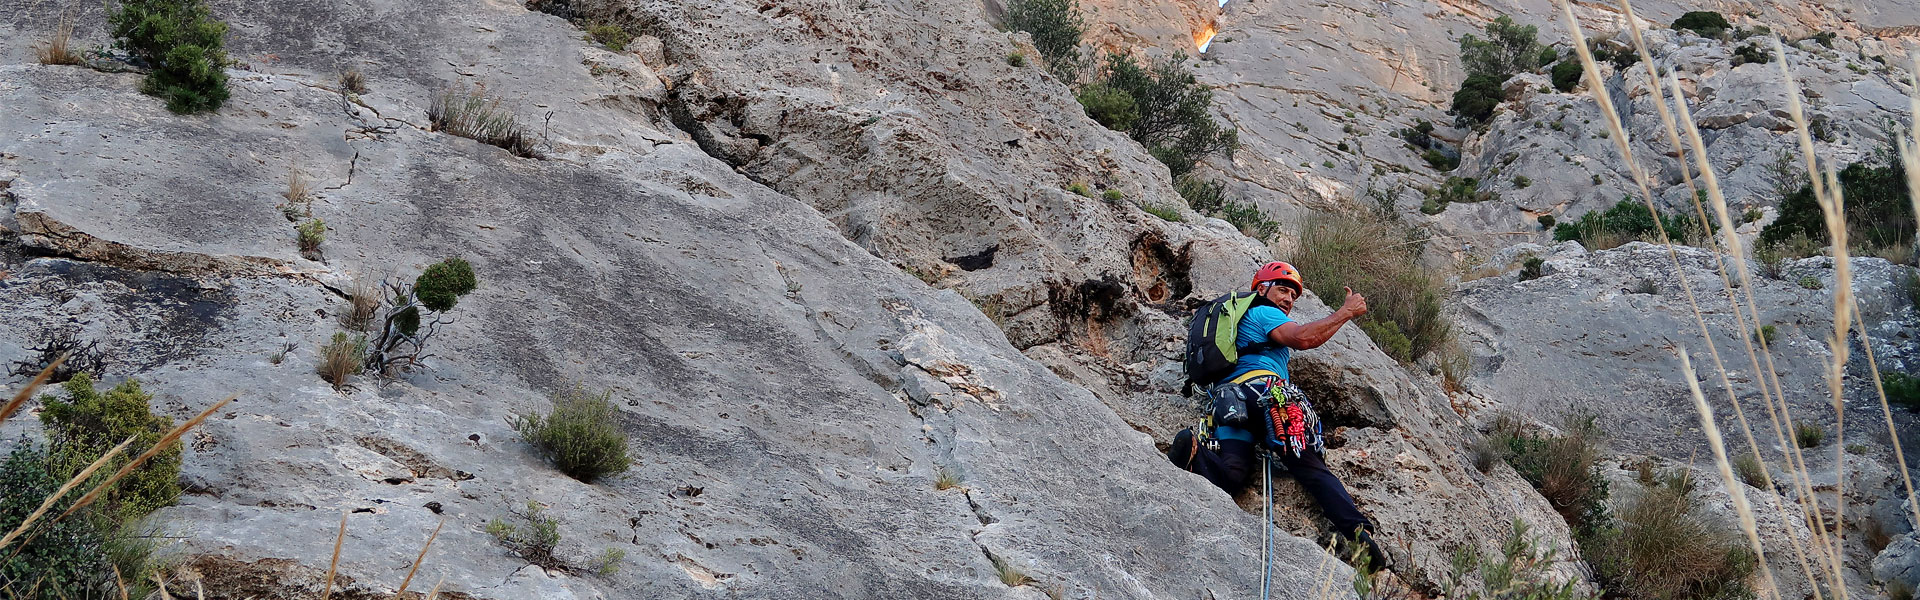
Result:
[1056,27]
[1476,99]
[1175,121]
[1509,48]
[413,312]
[182,43]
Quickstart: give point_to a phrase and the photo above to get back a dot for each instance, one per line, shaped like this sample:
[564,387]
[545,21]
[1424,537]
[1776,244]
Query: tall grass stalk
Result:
[1618,135]
[21,397]
[1910,155]
[1720,266]
[333,565]
[416,561]
[1832,206]
[1734,489]
[1781,416]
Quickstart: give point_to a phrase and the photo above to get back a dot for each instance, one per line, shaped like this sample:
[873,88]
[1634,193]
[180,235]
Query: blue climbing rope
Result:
[1266,516]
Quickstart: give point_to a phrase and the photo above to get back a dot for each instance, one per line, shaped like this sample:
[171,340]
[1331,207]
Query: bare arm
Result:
[1307,336]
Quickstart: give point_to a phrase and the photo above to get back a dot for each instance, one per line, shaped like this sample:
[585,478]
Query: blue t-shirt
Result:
[1254,327]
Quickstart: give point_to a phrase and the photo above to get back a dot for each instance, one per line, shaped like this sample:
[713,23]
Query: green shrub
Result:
[1113,195]
[614,37]
[1750,470]
[1372,256]
[1440,161]
[182,44]
[1080,189]
[1166,213]
[1387,335]
[1108,106]
[471,115]
[1249,219]
[1824,37]
[1202,195]
[1056,27]
[1628,218]
[1902,389]
[1646,286]
[310,234]
[1546,221]
[1665,547]
[1522,181]
[1878,212]
[1457,189]
[1016,59]
[1751,53]
[411,313]
[1810,282]
[89,422]
[1808,435]
[1766,334]
[1567,74]
[1175,121]
[1704,22]
[530,535]
[68,557]
[1532,268]
[580,437]
[607,564]
[1547,56]
[1523,572]
[1476,99]
[1565,468]
[1210,198]
[442,284]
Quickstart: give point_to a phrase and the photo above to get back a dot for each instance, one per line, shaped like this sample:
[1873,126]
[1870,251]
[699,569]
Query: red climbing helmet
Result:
[1278,271]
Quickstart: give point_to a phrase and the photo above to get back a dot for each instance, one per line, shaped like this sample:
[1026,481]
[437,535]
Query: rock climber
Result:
[1229,456]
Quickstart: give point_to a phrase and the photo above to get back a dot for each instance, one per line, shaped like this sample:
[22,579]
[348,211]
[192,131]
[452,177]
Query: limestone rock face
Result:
[791,398]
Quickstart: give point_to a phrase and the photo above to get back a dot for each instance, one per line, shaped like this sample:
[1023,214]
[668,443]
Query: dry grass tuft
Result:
[342,358]
[470,114]
[353,81]
[1380,259]
[1009,574]
[946,479]
[58,48]
[363,299]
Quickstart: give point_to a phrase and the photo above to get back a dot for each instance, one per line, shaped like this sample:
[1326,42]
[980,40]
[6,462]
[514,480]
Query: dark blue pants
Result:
[1234,466]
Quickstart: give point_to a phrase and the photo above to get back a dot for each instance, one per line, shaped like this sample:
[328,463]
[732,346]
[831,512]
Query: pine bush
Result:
[182,44]
[89,423]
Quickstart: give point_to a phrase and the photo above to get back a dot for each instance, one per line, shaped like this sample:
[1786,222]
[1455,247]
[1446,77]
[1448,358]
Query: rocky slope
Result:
[823,252]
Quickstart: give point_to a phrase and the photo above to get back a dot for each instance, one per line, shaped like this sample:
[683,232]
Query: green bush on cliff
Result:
[1878,212]
[181,42]
[580,436]
[1056,27]
[1704,22]
[89,422]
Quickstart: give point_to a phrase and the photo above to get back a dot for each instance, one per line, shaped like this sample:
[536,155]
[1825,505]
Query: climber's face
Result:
[1280,294]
